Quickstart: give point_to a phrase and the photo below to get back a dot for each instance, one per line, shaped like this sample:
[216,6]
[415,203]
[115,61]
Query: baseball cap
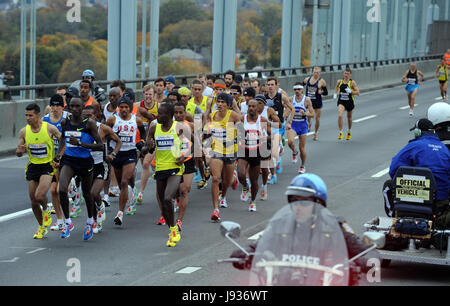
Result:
[130,95]
[423,125]
[72,91]
[171,79]
[57,100]
[125,100]
[250,91]
[261,98]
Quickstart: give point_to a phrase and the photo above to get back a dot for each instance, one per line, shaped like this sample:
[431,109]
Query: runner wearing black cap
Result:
[266,162]
[55,117]
[126,126]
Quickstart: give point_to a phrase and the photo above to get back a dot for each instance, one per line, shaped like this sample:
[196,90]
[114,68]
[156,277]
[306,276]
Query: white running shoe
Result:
[245,195]
[252,207]
[264,195]
[57,226]
[118,220]
[223,203]
[140,198]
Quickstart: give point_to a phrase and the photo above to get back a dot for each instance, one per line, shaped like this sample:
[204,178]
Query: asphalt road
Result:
[135,254]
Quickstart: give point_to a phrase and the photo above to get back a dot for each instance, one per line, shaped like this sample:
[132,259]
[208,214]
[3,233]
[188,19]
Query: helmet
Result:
[439,113]
[308,185]
[88,74]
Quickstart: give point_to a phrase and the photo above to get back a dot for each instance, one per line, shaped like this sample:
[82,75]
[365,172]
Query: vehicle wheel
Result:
[385,263]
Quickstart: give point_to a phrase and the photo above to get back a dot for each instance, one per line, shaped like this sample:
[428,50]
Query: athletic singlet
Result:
[343,95]
[40,146]
[186,144]
[253,133]
[264,113]
[202,105]
[58,125]
[168,149]
[224,136]
[89,102]
[127,132]
[107,113]
[312,91]
[299,106]
[190,108]
[98,156]
[443,73]
[153,111]
[81,133]
[276,104]
[412,78]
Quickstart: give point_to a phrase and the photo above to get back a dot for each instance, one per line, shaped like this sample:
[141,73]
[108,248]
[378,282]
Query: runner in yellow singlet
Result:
[37,140]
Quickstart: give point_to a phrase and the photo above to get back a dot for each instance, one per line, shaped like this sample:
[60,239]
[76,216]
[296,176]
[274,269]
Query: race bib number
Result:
[165,142]
[252,139]
[38,150]
[75,134]
[311,92]
[126,137]
[411,81]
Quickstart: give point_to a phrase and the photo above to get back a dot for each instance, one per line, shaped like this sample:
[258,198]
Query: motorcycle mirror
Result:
[232,228]
[379,239]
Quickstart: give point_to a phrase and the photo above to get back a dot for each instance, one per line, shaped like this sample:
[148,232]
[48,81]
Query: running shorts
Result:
[33,172]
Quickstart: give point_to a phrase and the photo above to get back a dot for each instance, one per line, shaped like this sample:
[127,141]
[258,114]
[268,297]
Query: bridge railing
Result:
[261,73]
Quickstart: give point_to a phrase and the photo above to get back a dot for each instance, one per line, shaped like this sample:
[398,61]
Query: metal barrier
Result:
[39,89]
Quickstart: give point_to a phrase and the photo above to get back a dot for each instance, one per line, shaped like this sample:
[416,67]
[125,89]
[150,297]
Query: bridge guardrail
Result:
[40,88]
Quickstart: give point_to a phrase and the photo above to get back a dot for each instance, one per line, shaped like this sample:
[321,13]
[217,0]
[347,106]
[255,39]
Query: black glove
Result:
[246,261]
[355,274]
[140,146]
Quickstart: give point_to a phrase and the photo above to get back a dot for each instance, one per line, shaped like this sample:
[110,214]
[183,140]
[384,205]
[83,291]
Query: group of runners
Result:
[222,132]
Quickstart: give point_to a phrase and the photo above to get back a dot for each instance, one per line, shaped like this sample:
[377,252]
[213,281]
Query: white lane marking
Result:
[29,252]
[256,236]
[28,211]
[309,134]
[381,173]
[188,270]
[364,119]
[12,158]
[11,260]
[407,107]
[437,99]
[15,215]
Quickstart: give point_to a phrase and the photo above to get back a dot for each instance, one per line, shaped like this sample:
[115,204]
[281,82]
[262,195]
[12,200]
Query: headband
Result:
[220,86]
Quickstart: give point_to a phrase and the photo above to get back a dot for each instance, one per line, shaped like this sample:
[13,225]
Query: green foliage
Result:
[189,34]
[174,11]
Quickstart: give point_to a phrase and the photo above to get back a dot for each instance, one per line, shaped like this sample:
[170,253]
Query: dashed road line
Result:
[188,270]
[364,119]
[381,173]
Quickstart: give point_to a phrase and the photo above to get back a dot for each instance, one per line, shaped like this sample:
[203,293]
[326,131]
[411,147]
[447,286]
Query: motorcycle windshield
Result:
[301,246]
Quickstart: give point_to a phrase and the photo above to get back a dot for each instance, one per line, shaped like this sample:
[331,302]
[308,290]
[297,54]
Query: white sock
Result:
[68,221]
[60,221]
[90,220]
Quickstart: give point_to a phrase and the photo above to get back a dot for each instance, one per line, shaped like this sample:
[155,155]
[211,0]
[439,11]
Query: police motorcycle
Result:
[311,252]
[411,229]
